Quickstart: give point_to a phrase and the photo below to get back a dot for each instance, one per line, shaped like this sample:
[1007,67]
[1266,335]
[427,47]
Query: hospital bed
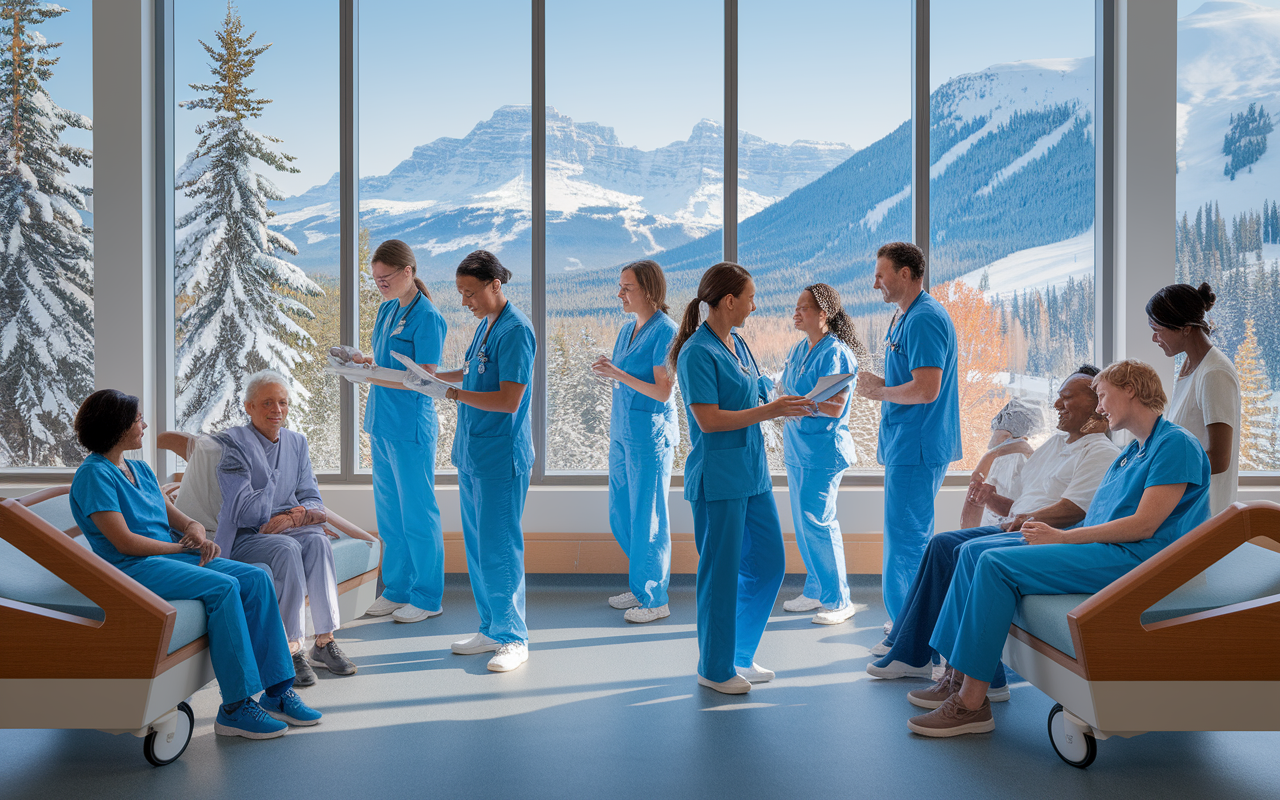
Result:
[1187,641]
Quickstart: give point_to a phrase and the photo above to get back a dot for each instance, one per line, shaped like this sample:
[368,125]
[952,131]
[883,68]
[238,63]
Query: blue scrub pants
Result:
[741,563]
[404,497]
[491,511]
[909,491]
[909,640]
[994,572]
[639,481]
[813,495]
[246,637]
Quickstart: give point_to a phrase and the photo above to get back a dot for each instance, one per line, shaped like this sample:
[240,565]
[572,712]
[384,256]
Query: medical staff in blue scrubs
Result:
[919,414]
[129,523]
[402,432]
[493,451]
[817,450]
[643,432]
[1156,491]
[741,560]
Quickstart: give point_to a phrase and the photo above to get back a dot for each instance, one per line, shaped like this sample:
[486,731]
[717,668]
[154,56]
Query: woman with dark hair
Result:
[118,505]
[817,450]
[402,429]
[726,478]
[493,451]
[643,432]
[1206,396]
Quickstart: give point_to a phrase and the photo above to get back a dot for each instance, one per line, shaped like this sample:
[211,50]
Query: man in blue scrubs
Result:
[919,414]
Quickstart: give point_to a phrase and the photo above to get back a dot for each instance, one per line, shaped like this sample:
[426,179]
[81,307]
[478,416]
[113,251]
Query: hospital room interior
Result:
[687,398]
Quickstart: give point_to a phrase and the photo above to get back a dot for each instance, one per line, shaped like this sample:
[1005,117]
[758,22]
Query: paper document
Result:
[361,373]
[422,373]
[829,386]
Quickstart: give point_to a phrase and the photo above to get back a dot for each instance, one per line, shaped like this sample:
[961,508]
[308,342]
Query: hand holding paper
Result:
[419,380]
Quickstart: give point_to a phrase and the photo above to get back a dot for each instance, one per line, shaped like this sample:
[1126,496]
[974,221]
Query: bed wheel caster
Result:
[169,737]
[1073,744]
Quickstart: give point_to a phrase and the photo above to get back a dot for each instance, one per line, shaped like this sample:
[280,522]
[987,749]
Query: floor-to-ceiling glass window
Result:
[824,167]
[46,261]
[256,256]
[1012,198]
[1228,198]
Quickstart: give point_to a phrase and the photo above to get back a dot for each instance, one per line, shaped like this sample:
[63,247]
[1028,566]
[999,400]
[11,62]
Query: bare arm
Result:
[659,390]
[113,526]
[711,418]
[1062,514]
[1219,452]
[924,387]
[452,376]
[1154,508]
[506,400]
[979,491]
[394,385]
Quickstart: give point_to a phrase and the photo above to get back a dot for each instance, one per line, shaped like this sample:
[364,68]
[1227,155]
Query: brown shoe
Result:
[936,694]
[953,719]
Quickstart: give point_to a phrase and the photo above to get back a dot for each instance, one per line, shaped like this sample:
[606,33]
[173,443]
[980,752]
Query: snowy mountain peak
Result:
[1002,89]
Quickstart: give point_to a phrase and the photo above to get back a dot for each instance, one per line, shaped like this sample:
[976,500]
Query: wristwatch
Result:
[451,394]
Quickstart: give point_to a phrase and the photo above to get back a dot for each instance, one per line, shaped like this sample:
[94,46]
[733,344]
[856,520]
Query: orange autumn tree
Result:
[982,354]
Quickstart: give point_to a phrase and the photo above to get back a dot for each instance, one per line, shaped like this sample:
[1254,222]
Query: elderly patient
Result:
[1056,487]
[272,514]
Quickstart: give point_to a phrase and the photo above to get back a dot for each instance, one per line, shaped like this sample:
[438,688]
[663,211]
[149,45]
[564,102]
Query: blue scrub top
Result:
[99,485]
[924,433]
[491,444]
[1170,455]
[724,465]
[819,442]
[417,331]
[635,417]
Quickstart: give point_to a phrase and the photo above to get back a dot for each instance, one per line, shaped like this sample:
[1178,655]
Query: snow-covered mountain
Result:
[1228,57]
[606,202]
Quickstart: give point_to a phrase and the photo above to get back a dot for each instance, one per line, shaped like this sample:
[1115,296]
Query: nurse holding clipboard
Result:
[493,451]
[726,478]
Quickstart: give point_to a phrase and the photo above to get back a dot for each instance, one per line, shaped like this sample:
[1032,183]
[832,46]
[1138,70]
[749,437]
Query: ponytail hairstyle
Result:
[838,320]
[725,278]
[652,282]
[484,267]
[395,253]
[1180,306]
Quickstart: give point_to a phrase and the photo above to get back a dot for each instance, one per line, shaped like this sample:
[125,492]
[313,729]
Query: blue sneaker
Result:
[289,708]
[249,721]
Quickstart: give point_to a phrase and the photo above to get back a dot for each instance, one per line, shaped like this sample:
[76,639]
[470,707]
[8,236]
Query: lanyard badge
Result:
[483,358]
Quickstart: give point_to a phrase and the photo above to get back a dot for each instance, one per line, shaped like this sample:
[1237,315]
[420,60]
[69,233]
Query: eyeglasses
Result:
[802,309]
[385,280]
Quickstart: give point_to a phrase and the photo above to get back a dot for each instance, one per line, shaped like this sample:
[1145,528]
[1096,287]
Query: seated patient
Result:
[1056,487]
[128,522]
[272,514]
[1156,491]
[1001,465]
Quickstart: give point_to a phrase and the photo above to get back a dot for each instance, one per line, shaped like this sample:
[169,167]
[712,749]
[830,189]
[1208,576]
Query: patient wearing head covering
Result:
[1007,451]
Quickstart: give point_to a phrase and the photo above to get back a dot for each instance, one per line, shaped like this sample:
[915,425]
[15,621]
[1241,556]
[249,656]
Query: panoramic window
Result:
[446,162]
[1228,187]
[1012,199]
[819,149]
[255,138]
[46,271]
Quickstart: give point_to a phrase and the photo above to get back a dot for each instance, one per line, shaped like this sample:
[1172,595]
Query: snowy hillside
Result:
[1036,267]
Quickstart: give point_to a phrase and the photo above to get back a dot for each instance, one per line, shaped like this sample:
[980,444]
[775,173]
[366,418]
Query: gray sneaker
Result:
[303,674]
[331,658]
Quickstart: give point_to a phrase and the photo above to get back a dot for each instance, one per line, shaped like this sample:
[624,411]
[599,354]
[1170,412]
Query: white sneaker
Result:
[735,685]
[509,656]
[411,613]
[476,644]
[1000,695]
[621,601]
[756,673]
[801,603]
[382,607]
[881,649]
[897,669]
[835,616]
[641,615]
[888,627]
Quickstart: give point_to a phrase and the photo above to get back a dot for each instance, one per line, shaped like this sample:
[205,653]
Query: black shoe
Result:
[331,658]
[304,675]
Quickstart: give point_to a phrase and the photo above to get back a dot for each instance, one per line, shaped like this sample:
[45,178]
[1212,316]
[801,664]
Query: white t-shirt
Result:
[1211,395]
[1003,474]
[1060,471]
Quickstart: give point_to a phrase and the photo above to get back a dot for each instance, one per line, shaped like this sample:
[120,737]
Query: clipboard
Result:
[829,386]
[422,373]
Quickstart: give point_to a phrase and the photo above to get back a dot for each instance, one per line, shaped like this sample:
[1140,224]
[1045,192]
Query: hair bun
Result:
[1206,294]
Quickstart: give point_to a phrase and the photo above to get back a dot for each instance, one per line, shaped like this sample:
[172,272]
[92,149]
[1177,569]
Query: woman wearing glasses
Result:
[402,432]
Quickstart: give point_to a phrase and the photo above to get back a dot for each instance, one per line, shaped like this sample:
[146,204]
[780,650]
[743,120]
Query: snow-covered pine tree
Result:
[46,252]
[1257,415]
[238,321]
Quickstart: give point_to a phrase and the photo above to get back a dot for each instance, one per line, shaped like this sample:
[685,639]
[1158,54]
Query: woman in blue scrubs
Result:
[817,450]
[493,451]
[1156,491]
[726,478]
[643,432]
[402,432]
[129,523]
